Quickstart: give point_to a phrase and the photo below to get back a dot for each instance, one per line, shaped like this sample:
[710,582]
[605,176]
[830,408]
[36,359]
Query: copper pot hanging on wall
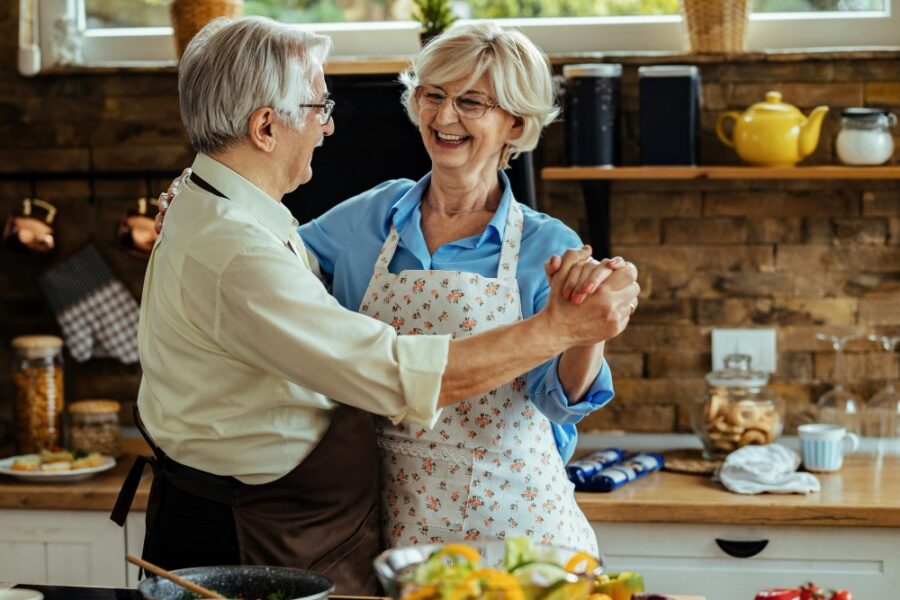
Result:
[29,232]
[136,232]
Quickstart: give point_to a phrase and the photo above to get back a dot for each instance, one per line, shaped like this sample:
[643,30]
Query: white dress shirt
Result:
[244,352]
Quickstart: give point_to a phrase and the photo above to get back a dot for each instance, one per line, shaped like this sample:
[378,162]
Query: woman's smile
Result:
[449,140]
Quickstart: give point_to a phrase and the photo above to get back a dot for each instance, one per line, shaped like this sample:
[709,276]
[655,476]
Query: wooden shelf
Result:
[675,172]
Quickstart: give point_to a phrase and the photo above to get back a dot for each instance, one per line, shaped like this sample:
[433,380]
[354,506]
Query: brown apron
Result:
[322,516]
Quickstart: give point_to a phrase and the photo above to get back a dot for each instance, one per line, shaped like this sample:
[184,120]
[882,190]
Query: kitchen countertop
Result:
[866,493]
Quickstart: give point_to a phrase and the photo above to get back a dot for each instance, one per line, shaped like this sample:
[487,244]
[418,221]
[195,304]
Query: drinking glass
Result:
[838,406]
[882,412]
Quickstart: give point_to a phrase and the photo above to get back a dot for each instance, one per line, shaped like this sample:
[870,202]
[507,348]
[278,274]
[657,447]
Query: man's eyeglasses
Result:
[325,110]
[470,105]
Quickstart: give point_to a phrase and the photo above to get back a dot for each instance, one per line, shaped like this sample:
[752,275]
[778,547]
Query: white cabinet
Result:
[135,525]
[686,559]
[61,547]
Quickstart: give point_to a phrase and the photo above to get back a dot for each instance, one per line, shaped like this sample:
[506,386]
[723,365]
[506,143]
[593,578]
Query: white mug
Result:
[823,446]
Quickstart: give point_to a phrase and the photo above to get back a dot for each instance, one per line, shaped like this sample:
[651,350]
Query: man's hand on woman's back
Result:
[166,198]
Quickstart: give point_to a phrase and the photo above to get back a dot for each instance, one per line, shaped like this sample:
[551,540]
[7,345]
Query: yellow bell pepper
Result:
[599,597]
[467,552]
[621,586]
[581,562]
[486,583]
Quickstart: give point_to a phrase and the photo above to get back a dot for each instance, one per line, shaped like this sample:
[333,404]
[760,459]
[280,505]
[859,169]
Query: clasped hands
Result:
[605,291]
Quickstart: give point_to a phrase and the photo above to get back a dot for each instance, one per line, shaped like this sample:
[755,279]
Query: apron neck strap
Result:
[387,250]
[512,238]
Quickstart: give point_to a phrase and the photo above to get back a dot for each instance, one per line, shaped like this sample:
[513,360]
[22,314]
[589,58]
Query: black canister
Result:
[592,113]
[670,114]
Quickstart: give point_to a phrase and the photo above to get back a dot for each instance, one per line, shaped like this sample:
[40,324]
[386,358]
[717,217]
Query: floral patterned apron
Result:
[490,467]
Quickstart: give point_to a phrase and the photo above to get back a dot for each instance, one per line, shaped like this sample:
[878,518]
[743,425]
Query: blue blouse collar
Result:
[406,215]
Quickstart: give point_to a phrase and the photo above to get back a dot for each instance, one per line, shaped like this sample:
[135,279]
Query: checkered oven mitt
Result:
[97,315]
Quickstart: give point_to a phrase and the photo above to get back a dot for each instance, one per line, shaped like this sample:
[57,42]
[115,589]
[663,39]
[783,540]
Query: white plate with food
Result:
[62,466]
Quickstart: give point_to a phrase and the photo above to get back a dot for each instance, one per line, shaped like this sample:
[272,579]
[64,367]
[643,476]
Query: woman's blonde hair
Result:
[519,72]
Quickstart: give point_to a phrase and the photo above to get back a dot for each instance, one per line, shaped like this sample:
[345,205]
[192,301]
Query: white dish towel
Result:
[771,468]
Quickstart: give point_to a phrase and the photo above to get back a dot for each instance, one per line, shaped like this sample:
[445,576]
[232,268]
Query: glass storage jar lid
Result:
[37,346]
[737,373]
[94,407]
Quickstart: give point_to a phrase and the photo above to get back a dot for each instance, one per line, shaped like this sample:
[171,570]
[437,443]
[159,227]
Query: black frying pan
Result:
[249,583]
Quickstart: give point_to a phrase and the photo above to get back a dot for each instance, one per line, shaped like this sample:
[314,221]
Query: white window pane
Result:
[336,11]
[154,13]
[102,14]
[813,6]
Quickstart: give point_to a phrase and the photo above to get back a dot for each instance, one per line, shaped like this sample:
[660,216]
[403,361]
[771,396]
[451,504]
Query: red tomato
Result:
[810,591]
[841,595]
[778,594]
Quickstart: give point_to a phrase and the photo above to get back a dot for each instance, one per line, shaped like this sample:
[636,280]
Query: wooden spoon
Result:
[197,589]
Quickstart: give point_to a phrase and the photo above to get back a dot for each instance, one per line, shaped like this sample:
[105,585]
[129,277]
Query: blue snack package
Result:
[633,467]
[581,470]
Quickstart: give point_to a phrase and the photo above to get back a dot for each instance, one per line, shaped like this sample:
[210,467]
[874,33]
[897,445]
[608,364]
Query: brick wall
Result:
[801,257]
[798,256]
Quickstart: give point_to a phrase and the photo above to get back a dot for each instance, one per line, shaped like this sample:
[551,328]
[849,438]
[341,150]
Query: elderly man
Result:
[258,386]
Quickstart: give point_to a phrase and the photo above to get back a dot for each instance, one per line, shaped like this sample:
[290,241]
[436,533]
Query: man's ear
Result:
[517,130]
[260,128]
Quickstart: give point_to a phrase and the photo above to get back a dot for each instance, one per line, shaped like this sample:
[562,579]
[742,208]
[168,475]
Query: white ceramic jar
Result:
[865,136]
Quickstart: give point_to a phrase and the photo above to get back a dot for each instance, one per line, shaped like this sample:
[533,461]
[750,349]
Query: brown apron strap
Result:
[129,487]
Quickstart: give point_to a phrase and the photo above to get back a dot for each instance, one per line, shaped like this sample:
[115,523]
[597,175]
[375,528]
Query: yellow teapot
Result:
[772,133]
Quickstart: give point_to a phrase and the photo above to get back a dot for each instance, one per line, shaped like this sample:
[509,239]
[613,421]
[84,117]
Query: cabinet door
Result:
[61,548]
[135,526]
[686,559]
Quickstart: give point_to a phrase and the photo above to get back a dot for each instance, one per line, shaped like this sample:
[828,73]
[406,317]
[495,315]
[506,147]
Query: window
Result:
[128,31]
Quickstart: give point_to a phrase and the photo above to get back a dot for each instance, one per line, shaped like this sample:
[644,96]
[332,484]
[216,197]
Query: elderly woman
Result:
[454,253]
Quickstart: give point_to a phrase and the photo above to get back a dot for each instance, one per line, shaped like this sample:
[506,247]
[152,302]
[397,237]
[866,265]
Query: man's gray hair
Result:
[518,70]
[233,67]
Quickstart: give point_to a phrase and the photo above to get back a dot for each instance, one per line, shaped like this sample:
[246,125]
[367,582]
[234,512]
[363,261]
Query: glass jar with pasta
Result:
[38,381]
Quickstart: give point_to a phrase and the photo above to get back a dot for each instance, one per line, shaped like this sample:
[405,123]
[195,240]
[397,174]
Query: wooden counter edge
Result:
[745,514]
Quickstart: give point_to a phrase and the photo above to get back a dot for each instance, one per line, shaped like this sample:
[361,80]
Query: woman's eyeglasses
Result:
[325,110]
[470,105]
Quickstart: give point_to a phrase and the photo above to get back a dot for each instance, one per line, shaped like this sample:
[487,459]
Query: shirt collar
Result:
[273,215]
[407,206]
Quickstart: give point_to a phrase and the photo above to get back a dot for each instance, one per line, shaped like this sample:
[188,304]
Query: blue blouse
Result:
[348,238]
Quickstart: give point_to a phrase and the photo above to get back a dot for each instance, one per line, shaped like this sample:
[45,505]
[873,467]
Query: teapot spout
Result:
[810,129]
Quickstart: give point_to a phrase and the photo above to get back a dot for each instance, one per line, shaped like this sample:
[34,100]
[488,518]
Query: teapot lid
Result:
[737,373]
[774,106]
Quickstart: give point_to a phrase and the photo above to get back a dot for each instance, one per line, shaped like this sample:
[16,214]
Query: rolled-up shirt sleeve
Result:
[547,393]
[275,314]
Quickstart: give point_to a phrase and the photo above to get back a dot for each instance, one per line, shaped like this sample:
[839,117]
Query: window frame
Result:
[663,34]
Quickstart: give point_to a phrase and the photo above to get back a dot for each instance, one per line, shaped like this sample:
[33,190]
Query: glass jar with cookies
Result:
[737,409]
[38,381]
[94,427]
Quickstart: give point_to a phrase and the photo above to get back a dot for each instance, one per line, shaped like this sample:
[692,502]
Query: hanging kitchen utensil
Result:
[136,233]
[28,232]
